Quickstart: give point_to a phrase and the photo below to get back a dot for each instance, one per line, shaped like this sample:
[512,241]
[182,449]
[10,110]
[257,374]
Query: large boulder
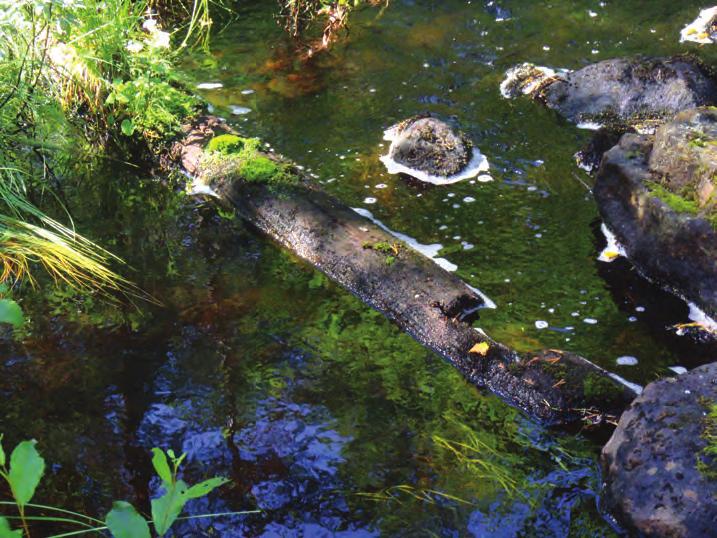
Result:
[656,195]
[659,479]
[635,91]
[430,150]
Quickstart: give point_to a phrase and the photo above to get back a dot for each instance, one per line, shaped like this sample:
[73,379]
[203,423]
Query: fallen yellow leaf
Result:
[610,254]
[480,349]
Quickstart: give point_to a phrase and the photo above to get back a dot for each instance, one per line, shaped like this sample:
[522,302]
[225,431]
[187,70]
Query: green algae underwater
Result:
[325,416]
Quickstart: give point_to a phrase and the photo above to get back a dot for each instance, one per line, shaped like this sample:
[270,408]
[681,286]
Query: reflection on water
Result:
[324,416]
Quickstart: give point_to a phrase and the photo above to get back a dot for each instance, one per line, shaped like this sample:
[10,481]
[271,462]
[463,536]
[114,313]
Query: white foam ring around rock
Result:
[429,251]
[477,164]
[699,31]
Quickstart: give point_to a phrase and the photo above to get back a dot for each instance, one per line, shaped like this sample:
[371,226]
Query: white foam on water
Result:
[699,316]
[634,386]
[477,164]
[614,249]
[589,125]
[210,86]
[429,251]
[698,31]
[195,188]
[487,301]
[239,110]
[626,360]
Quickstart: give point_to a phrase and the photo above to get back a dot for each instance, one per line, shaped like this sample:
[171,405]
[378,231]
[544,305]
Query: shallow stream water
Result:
[326,417]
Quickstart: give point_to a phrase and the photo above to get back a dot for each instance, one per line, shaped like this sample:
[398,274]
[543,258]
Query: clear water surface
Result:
[325,416]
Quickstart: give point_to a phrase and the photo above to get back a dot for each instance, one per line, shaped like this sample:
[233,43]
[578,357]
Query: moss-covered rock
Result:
[656,194]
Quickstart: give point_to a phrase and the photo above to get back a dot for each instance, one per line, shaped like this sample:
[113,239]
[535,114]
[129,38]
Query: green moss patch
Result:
[230,156]
[600,387]
[226,143]
[682,203]
[707,458]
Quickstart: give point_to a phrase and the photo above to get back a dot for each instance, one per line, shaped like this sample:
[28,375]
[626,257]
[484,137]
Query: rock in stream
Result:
[654,486]
[637,92]
[656,195]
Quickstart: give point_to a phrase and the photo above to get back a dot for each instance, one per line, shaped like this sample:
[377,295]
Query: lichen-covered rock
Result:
[636,91]
[653,484]
[655,194]
[684,155]
[431,150]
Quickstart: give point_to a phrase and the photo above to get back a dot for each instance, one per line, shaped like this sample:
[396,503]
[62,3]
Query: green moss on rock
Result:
[229,156]
[226,143]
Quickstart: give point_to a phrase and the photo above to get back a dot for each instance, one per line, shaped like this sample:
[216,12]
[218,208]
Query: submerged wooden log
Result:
[432,305]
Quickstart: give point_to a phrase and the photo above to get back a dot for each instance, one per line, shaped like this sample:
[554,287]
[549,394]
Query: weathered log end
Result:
[432,305]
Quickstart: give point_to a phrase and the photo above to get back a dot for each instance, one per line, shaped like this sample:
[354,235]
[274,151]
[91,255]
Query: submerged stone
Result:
[636,91]
[656,195]
[659,478]
[430,150]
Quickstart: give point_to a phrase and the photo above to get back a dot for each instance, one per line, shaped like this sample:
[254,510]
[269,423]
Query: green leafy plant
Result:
[26,468]
[167,508]
[23,475]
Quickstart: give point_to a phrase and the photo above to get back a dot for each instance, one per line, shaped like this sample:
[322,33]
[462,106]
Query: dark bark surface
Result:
[432,305]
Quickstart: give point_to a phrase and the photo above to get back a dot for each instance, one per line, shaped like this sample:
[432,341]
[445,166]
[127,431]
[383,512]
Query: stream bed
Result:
[324,415]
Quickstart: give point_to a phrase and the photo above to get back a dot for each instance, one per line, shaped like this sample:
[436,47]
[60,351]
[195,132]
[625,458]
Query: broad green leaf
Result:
[10,312]
[6,532]
[166,509]
[123,521]
[159,461]
[26,469]
[127,127]
[205,488]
